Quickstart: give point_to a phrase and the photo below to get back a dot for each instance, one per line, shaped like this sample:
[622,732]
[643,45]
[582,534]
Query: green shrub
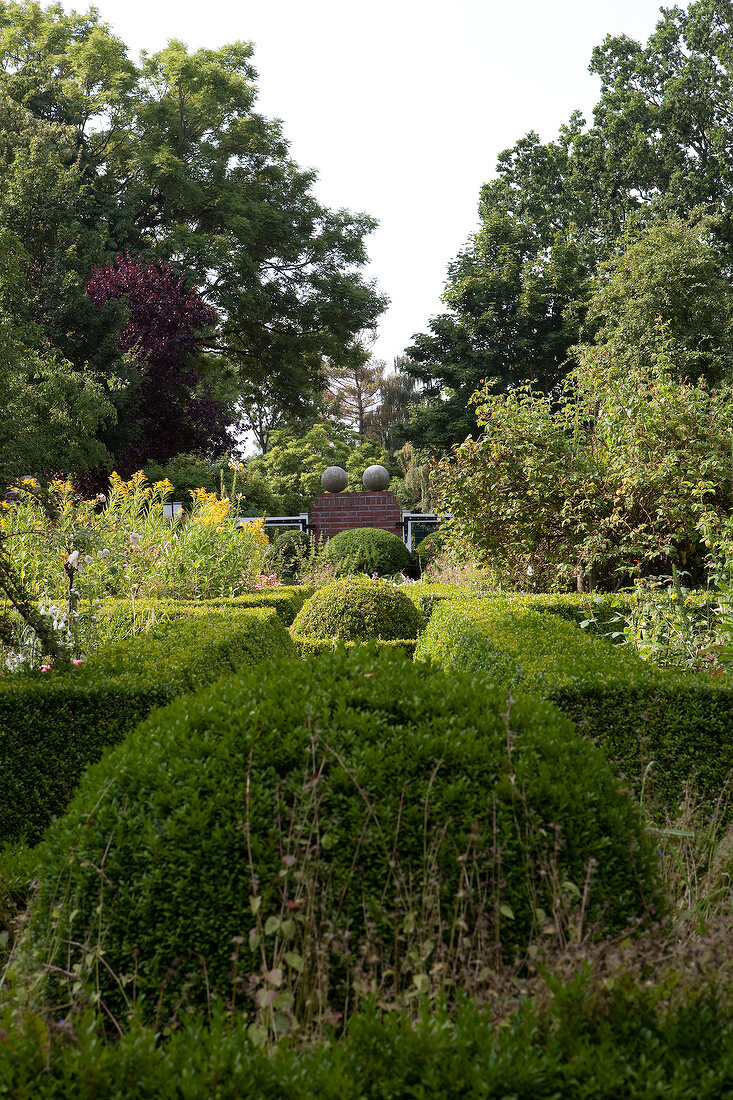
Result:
[357,609]
[430,548]
[53,725]
[627,1039]
[311,647]
[113,620]
[427,595]
[290,551]
[368,550]
[660,727]
[347,809]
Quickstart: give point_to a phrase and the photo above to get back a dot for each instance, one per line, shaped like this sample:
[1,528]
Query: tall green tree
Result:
[170,161]
[613,472]
[516,294]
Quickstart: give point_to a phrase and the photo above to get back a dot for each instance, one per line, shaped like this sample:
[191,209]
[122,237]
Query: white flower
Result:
[530,571]
[88,559]
[80,567]
[103,554]
[73,558]
[134,537]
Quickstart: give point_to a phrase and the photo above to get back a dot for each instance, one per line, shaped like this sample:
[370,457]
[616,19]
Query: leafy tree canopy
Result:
[516,294]
[613,474]
[168,160]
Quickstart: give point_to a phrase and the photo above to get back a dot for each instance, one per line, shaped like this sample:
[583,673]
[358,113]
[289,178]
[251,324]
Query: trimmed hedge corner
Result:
[53,725]
[673,727]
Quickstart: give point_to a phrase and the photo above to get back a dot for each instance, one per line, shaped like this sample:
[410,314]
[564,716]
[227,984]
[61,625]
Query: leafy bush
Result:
[52,725]
[357,609]
[354,813]
[663,726]
[291,550]
[429,548]
[368,550]
[625,1039]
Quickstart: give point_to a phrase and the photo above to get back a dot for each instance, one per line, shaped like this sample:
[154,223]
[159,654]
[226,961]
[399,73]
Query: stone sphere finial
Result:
[375,478]
[334,479]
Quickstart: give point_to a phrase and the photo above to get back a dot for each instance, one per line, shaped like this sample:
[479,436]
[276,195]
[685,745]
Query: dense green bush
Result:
[368,550]
[346,809]
[357,609]
[52,725]
[628,1039]
[426,596]
[665,727]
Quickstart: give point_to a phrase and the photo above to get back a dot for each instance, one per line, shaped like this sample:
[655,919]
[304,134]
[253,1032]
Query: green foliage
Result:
[113,620]
[312,797]
[293,465]
[184,472]
[430,548]
[368,550]
[664,297]
[291,552]
[660,729]
[612,475]
[89,137]
[516,293]
[591,1036]
[53,724]
[357,609]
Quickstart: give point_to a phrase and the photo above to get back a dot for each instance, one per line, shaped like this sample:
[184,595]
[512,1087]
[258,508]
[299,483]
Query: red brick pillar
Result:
[334,512]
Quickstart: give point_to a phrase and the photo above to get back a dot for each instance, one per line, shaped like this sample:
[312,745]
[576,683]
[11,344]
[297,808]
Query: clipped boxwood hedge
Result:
[368,550]
[341,794]
[616,1040]
[426,596]
[356,609]
[675,724]
[53,725]
[112,619]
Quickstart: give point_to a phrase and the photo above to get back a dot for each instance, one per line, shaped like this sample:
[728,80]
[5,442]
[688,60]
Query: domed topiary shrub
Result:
[368,550]
[292,831]
[355,609]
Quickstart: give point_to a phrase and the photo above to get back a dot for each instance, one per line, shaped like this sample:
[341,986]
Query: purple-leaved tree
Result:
[173,409]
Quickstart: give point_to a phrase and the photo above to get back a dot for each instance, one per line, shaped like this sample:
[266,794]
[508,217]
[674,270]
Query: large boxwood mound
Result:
[355,609]
[316,818]
[368,550]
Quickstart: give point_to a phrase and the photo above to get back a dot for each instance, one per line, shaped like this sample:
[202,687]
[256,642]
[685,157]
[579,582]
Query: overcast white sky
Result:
[402,105]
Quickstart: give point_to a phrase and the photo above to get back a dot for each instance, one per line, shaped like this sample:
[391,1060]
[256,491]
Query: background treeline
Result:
[165,269]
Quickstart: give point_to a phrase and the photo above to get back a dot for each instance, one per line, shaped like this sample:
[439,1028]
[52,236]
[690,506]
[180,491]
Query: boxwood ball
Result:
[334,479]
[375,478]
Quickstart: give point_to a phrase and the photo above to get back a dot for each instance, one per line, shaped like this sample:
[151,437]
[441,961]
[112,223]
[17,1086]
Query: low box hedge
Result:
[53,725]
[114,619]
[671,727]
[308,646]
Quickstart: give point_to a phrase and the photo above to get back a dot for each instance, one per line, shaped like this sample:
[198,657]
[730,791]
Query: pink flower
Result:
[77,660]
[45,668]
